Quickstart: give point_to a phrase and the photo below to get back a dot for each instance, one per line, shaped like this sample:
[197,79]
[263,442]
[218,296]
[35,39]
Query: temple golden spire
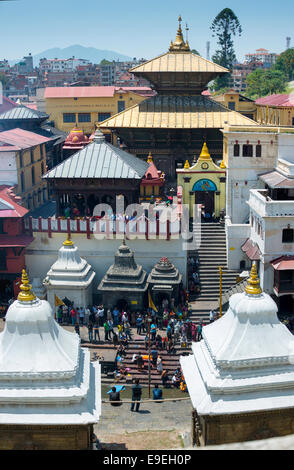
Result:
[187,165]
[222,165]
[253,284]
[68,241]
[25,295]
[204,155]
[179,44]
[149,158]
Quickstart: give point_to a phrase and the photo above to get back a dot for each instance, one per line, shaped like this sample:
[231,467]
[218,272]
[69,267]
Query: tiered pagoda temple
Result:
[175,123]
[240,377]
[125,283]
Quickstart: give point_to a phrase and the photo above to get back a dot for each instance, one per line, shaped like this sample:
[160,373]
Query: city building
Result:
[174,124]
[234,100]
[240,73]
[240,376]
[276,110]
[268,59]
[88,106]
[50,391]
[14,239]
[22,164]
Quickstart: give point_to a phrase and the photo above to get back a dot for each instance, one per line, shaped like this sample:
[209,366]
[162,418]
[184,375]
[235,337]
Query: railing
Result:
[267,207]
[106,228]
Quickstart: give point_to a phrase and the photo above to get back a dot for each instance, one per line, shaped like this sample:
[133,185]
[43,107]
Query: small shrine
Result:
[240,377]
[204,182]
[164,281]
[70,276]
[50,392]
[125,283]
[153,181]
[76,140]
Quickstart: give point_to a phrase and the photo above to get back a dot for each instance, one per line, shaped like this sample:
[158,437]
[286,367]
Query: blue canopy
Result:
[118,388]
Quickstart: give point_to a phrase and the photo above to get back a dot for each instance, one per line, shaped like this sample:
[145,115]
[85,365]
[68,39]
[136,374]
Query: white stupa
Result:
[46,378]
[245,362]
[70,276]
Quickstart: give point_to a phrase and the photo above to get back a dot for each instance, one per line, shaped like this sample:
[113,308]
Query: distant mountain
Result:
[80,52]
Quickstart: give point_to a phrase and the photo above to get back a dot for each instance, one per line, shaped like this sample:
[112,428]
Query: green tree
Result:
[195,52]
[224,27]
[3,79]
[285,64]
[105,62]
[265,82]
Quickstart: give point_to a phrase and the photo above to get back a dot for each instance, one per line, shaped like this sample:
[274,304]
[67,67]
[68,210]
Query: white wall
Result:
[43,252]
[236,235]
[8,168]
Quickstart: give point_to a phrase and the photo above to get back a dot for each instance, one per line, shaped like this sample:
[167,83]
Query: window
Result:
[103,116]
[69,117]
[2,226]
[20,159]
[232,105]
[3,265]
[22,182]
[84,117]
[33,176]
[292,121]
[121,106]
[42,168]
[236,150]
[288,235]
[247,150]
[258,150]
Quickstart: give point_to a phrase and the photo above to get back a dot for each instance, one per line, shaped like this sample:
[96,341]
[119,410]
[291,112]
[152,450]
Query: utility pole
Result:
[220,291]
[208,50]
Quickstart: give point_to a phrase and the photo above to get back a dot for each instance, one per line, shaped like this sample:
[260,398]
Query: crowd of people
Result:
[194,284]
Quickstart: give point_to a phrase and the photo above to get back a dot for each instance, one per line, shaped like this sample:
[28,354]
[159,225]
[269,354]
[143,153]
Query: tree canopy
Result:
[285,63]
[224,27]
[265,82]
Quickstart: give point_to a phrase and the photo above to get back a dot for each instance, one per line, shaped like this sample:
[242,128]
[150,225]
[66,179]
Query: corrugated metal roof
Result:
[20,139]
[274,179]
[100,160]
[179,62]
[284,101]
[22,112]
[90,91]
[177,112]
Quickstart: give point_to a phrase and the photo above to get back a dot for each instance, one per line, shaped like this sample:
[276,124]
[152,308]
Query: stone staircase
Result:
[212,255]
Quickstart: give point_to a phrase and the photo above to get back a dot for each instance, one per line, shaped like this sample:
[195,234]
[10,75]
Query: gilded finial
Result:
[25,295]
[194,160]
[222,165]
[204,155]
[253,283]
[179,44]
[149,158]
[68,241]
[187,165]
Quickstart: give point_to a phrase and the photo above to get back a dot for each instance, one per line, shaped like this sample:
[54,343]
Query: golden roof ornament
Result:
[204,155]
[68,241]
[25,295]
[187,165]
[179,44]
[149,158]
[222,165]
[253,283]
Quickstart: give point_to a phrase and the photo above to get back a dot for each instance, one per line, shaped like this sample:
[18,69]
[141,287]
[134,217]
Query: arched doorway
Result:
[205,190]
[122,305]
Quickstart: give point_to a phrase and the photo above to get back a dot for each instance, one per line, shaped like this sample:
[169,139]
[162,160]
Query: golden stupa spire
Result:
[222,165]
[253,284]
[179,44]
[149,158]
[25,295]
[187,165]
[204,155]
[68,241]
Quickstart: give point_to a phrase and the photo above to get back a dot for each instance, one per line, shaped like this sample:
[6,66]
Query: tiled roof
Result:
[177,112]
[6,104]
[100,160]
[8,206]
[179,62]
[20,139]
[286,100]
[22,112]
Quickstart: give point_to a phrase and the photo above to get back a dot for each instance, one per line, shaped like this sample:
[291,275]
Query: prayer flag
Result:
[151,304]
[58,301]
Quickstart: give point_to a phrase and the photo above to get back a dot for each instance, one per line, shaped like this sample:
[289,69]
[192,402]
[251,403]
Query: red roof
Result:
[251,250]
[18,139]
[7,241]
[206,93]
[90,91]
[283,263]
[277,100]
[6,105]
[9,205]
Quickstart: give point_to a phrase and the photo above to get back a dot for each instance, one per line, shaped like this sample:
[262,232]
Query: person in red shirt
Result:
[73,316]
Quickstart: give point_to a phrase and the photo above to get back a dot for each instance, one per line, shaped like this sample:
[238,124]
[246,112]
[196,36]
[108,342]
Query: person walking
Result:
[96,331]
[199,331]
[82,315]
[139,324]
[159,365]
[90,332]
[100,314]
[73,316]
[106,331]
[136,395]
[115,314]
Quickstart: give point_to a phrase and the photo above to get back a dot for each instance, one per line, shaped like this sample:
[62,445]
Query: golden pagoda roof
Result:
[177,112]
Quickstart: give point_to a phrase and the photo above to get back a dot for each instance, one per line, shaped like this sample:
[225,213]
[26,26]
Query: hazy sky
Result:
[137,28]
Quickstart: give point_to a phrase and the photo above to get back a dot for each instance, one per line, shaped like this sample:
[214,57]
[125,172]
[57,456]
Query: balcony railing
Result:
[267,207]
